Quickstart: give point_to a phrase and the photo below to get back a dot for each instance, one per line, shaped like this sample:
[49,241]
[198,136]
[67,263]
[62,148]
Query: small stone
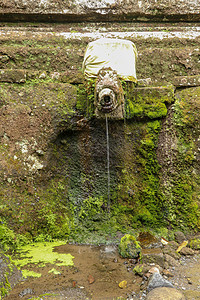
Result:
[171,261]
[55,75]
[40,152]
[123,284]
[187,251]
[189,281]
[26,292]
[167,273]
[154,270]
[74,283]
[42,76]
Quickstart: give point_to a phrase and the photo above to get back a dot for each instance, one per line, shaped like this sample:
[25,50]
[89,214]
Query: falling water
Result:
[108,162]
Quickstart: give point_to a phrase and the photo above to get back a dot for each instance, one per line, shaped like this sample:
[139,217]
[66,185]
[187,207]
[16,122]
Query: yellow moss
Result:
[43,253]
[27,273]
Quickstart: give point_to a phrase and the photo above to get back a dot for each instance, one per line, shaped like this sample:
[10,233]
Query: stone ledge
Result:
[21,76]
[186,81]
[107,10]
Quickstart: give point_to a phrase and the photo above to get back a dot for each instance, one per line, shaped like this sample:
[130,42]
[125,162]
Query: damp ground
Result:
[95,274]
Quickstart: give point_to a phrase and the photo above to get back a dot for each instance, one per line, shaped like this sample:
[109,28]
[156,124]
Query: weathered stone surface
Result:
[170,260]
[29,118]
[147,240]
[163,52]
[107,10]
[179,237]
[9,274]
[158,281]
[165,293]
[187,251]
[153,256]
[12,76]
[171,250]
[186,81]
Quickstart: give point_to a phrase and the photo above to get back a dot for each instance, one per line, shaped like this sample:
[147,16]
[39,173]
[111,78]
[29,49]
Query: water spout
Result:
[109,95]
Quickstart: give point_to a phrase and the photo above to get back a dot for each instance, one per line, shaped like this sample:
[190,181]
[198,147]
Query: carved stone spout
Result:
[109,95]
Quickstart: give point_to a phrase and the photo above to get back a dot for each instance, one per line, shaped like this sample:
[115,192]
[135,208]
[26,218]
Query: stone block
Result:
[12,76]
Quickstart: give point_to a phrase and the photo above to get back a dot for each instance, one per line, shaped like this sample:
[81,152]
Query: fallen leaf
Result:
[182,245]
[123,284]
[91,279]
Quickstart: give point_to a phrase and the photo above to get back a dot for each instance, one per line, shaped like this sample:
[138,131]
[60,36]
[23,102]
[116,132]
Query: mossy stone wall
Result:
[53,152]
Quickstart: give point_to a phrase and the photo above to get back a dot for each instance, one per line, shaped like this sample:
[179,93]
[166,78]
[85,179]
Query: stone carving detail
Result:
[109,95]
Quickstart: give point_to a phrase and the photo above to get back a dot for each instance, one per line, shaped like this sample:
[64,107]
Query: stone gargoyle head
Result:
[109,95]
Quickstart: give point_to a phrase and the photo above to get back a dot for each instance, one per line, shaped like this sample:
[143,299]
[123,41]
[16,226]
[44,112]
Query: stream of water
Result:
[108,162]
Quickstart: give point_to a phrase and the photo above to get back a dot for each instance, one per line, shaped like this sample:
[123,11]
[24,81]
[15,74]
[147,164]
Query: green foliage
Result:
[9,240]
[195,244]
[5,287]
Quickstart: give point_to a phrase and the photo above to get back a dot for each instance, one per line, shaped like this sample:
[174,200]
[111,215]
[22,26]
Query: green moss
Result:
[9,240]
[195,244]
[54,271]
[27,273]
[138,270]
[5,287]
[181,190]
[43,253]
[147,102]
[129,247]
[85,98]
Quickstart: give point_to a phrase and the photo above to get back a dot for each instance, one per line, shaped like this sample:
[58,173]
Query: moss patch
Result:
[129,247]
[147,102]
[43,253]
[27,273]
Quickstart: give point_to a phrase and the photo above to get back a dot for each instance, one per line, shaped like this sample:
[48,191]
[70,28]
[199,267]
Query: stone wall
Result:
[53,149]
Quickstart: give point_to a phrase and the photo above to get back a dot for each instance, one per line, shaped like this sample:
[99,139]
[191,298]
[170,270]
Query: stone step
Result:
[156,35]
[162,54]
[156,63]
